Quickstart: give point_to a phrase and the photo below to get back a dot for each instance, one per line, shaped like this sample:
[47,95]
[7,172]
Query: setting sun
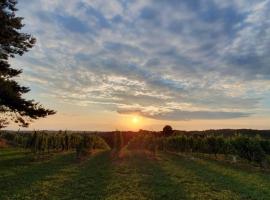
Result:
[135,120]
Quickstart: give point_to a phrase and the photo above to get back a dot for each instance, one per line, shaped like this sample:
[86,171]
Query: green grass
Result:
[135,175]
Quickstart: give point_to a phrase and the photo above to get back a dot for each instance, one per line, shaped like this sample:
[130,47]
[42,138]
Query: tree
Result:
[167,130]
[13,107]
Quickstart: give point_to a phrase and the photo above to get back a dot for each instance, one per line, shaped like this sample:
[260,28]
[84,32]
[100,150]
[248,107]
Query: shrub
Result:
[265,144]
[249,149]
[215,145]
[9,136]
[88,143]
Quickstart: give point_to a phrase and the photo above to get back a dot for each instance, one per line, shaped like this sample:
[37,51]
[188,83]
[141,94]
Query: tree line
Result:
[254,149]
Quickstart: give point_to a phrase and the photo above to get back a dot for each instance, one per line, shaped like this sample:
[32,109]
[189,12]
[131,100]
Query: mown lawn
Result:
[134,175]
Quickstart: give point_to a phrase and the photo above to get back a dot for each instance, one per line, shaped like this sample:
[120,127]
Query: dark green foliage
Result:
[118,142]
[88,143]
[8,135]
[167,131]
[226,133]
[265,144]
[85,146]
[13,42]
[43,143]
[216,145]
[249,149]
[252,149]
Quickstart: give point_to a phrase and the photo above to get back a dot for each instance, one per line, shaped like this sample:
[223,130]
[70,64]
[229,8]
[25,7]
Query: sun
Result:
[135,120]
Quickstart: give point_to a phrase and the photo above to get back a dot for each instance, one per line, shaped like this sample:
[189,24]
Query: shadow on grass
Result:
[89,180]
[155,181]
[20,173]
[9,152]
[245,184]
[125,181]
[14,160]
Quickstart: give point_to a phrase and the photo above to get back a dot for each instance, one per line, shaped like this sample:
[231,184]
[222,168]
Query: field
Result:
[132,175]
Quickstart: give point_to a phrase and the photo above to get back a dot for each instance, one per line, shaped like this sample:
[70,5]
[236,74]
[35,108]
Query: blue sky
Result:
[169,61]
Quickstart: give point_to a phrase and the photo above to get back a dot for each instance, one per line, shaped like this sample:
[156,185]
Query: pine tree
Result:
[13,107]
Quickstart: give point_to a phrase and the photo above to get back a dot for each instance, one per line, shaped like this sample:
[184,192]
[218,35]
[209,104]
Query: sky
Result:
[193,64]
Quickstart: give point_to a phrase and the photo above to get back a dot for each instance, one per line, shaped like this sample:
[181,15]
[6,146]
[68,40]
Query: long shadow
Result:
[24,176]
[156,182]
[125,181]
[253,185]
[89,181]
[222,177]
[14,160]
[261,174]
[7,152]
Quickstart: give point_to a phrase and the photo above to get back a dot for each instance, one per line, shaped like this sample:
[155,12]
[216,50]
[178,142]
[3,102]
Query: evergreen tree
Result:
[13,107]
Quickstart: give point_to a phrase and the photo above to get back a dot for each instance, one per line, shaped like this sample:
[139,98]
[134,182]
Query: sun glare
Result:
[135,120]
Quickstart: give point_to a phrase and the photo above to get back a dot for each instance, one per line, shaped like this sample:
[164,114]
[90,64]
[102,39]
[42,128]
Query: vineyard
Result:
[125,165]
[254,150]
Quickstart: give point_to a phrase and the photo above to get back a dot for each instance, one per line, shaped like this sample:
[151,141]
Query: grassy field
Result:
[135,175]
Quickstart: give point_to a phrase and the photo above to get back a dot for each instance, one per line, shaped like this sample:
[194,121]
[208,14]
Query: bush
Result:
[9,136]
[88,143]
[215,145]
[265,144]
[249,149]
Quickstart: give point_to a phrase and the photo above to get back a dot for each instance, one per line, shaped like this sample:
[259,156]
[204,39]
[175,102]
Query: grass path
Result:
[135,175]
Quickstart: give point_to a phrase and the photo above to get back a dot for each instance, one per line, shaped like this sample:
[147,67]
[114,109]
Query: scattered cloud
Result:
[177,115]
[167,60]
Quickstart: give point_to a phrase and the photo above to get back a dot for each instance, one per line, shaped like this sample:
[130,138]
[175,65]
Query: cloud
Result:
[212,56]
[180,115]
[72,24]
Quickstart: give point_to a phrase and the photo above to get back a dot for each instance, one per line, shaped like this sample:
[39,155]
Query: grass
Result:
[135,175]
